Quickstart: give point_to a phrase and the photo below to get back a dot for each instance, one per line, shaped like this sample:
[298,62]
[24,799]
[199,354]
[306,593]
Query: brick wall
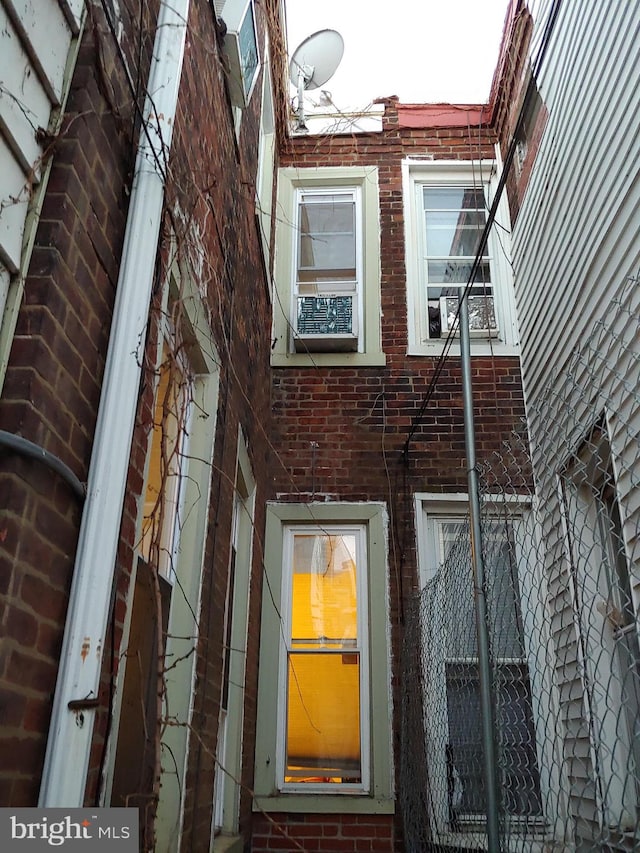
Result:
[54,380]
[213,184]
[360,418]
[52,390]
[330,833]
[340,433]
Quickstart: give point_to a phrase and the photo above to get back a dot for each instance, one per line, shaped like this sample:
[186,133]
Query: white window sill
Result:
[325,804]
[328,359]
[478,347]
[228,844]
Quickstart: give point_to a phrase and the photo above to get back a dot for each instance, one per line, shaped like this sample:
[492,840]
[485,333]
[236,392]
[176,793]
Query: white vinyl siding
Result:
[578,230]
[36,42]
[576,239]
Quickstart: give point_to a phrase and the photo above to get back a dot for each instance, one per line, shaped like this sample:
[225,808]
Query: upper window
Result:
[446,209]
[266,167]
[327,309]
[528,136]
[454,219]
[240,47]
[327,270]
[324,716]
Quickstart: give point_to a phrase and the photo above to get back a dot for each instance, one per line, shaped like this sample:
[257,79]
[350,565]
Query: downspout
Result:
[71,729]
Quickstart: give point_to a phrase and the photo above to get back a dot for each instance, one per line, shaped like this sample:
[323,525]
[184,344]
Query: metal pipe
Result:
[70,735]
[33,451]
[479,587]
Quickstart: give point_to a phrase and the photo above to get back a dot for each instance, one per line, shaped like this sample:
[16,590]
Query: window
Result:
[454,219]
[452,689]
[446,207]
[324,658]
[327,306]
[605,623]
[327,270]
[169,450]
[156,575]
[324,716]
[528,136]
[229,748]
[171,551]
[240,47]
[266,166]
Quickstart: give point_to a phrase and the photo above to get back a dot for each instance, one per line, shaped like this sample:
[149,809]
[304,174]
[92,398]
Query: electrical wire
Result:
[482,243]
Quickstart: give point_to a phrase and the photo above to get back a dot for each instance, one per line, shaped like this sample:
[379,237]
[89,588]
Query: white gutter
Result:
[70,733]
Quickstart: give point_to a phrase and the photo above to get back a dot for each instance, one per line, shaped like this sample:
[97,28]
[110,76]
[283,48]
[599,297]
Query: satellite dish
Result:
[313,63]
[317,58]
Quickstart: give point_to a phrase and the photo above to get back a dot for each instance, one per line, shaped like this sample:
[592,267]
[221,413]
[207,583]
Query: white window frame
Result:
[226,805]
[172,512]
[335,288]
[416,175]
[234,13]
[189,553]
[265,175]
[363,182]
[270,792]
[430,507]
[362,647]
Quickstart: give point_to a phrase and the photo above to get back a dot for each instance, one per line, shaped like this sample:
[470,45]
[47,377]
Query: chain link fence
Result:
[561,549]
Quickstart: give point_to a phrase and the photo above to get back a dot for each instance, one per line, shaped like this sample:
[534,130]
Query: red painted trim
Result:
[442,115]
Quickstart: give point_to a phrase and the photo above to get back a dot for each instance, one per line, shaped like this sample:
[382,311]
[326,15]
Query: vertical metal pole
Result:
[484,663]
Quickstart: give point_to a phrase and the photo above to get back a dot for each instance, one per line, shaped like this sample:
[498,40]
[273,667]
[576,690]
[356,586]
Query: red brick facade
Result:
[52,389]
[53,383]
[329,833]
[340,432]
[329,433]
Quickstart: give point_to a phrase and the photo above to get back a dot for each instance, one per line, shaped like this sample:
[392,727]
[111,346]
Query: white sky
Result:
[421,50]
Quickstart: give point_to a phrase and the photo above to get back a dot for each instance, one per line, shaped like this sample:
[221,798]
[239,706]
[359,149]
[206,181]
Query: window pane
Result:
[327,239]
[453,198]
[323,717]
[163,482]
[455,233]
[503,594]
[480,303]
[517,761]
[454,221]
[248,49]
[455,272]
[323,661]
[506,635]
[324,591]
